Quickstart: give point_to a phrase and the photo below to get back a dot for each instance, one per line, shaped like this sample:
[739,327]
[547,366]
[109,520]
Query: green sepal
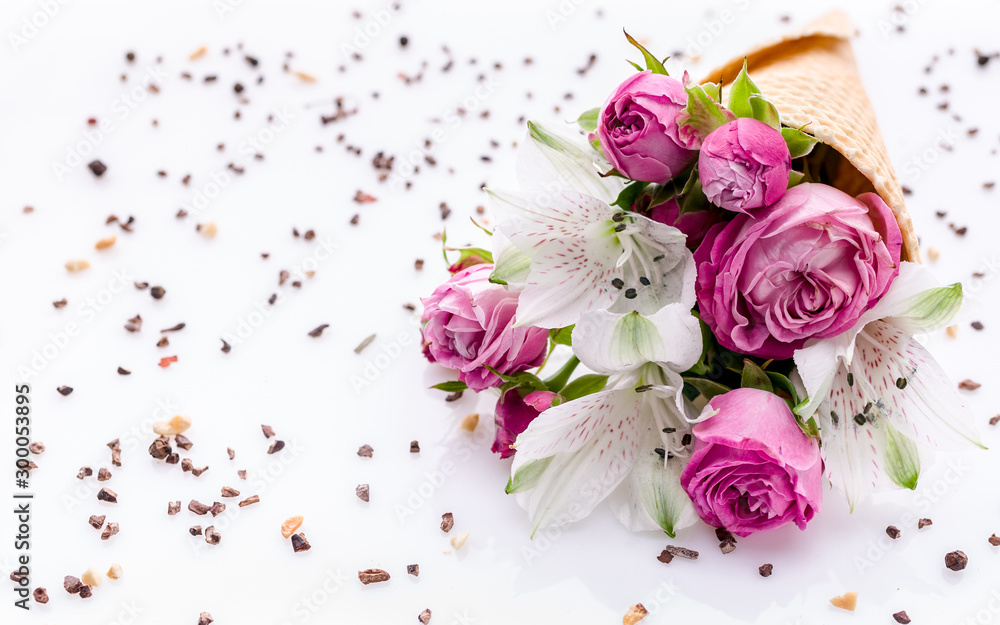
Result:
[764,111]
[754,377]
[652,63]
[588,121]
[702,114]
[795,177]
[583,385]
[740,92]
[629,194]
[799,143]
[562,336]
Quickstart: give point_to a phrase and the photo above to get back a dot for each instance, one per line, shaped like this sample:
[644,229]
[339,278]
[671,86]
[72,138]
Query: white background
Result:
[69,70]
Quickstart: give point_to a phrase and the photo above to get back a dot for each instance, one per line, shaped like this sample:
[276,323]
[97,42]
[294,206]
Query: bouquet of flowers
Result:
[732,263]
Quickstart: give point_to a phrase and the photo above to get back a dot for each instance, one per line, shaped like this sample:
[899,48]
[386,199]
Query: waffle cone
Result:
[811,77]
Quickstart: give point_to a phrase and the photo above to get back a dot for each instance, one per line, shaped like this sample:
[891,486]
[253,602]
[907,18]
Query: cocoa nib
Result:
[372,576]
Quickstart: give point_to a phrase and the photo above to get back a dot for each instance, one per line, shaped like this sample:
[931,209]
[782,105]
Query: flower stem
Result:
[561,377]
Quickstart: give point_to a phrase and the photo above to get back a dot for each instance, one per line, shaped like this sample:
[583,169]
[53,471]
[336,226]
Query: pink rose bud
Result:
[743,165]
[469,325]
[752,468]
[638,130]
[514,413]
[807,266]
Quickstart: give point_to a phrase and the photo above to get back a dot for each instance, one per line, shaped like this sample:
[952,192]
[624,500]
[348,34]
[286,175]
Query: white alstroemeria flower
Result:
[581,253]
[624,441]
[877,393]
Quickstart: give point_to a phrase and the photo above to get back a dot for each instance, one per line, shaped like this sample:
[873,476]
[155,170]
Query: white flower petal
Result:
[549,164]
[657,264]
[606,342]
[916,301]
[591,444]
[817,365]
[652,497]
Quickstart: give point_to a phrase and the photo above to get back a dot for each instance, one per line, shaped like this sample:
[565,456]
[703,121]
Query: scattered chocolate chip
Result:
[447,522]
[901,617]
[413,569]
[173,507]
[108,495]
[172,459]
[252,499]
[665,557]
[372,576]
[968,385]
[187,465]
[922,523]
[217,508]
[86,592]
[123,371]
[268,431]
[956,560]
[60,304]
[97,522]
[765,570]
[40,595]
[318,330]
[977,325]
[242,473]
[994,540]
[84,472]
[72,584]
[36,448]
[230,453]
[275,447]
[163,342]
[893,532]
[362,492]
[176,328]
[198,508]
[995,419]
[230,492]
[682,552]
[109,530]
[225,346]
[157,292]
[195,530]
[205,618]
[414,447]
[98,168]
[425,616]
[103,475]
[182,442]
[299,543]
[365,451]
[160,448]
[212,537]
[65,390]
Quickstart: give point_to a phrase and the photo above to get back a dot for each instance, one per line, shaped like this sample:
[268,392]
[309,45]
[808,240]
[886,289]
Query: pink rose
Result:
[752,468]
[805,267]
[743,165]
[638,130]
[469,325]
[514,413]
[694,224]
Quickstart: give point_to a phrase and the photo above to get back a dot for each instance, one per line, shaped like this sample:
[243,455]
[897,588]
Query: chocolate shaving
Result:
[268,431]
[97,522]
[230,492]
[182,442]
[901,617]
[275,447]
[299,543]
[252,499]
[134,324]
[922,523]
[198,508]
[372,576]
[362,492]
[318,330]
[365,451]
[108,495]
[682,552]
[65,390]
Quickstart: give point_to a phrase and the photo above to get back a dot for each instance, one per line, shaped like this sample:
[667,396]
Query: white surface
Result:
[589,573]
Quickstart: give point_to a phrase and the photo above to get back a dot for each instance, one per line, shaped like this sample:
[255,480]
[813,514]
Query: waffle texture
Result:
[811,77]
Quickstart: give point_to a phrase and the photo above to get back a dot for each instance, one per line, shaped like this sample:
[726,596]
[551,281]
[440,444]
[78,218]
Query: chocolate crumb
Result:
[242,473]
[198,508]
[173,507]
[217,508]
[172,459]
[84,472]
[299,543]
[413,569]
[922,523]
[65,390]
[123,371]
[61,303]
[72,584]
[36,448]
[182,442]
[157,292]
[86,592]
[231,453]
[956,560]
[160,448]
[252,499]
[665,557]
[108,495]
[268,431]
[414,447]
[225,346]
[682,552]
[893,532]
[98,168]
[901,617]
[97,522]
[163,342]
[176,328]
[103,475]
[187,465]
[365,451]
[205,618]
[447,522]
[318,330]
[994,540]
[212,537]
[968,385]
[195,530]
[275,447]
[425,616]
[109,530]
[765,569]
[977,325]
[372,576]
[40,595]
[362,492]
[230,492]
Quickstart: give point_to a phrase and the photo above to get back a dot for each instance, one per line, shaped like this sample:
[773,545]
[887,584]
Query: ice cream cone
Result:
[811,77]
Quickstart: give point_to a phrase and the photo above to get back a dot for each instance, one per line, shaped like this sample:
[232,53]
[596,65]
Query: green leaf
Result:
[782,383]
[562,336]
[740,92]
[588,121]
[652,63]
[527,476]
[635,65]
[902,458]
[754,377]
[706,387]
[629,194]
[584,385]
[714,90]
[559,379]
[799,143]
[764,111]
[453,386]
[466,253]
[794,178]
[702,114]
[693,198]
